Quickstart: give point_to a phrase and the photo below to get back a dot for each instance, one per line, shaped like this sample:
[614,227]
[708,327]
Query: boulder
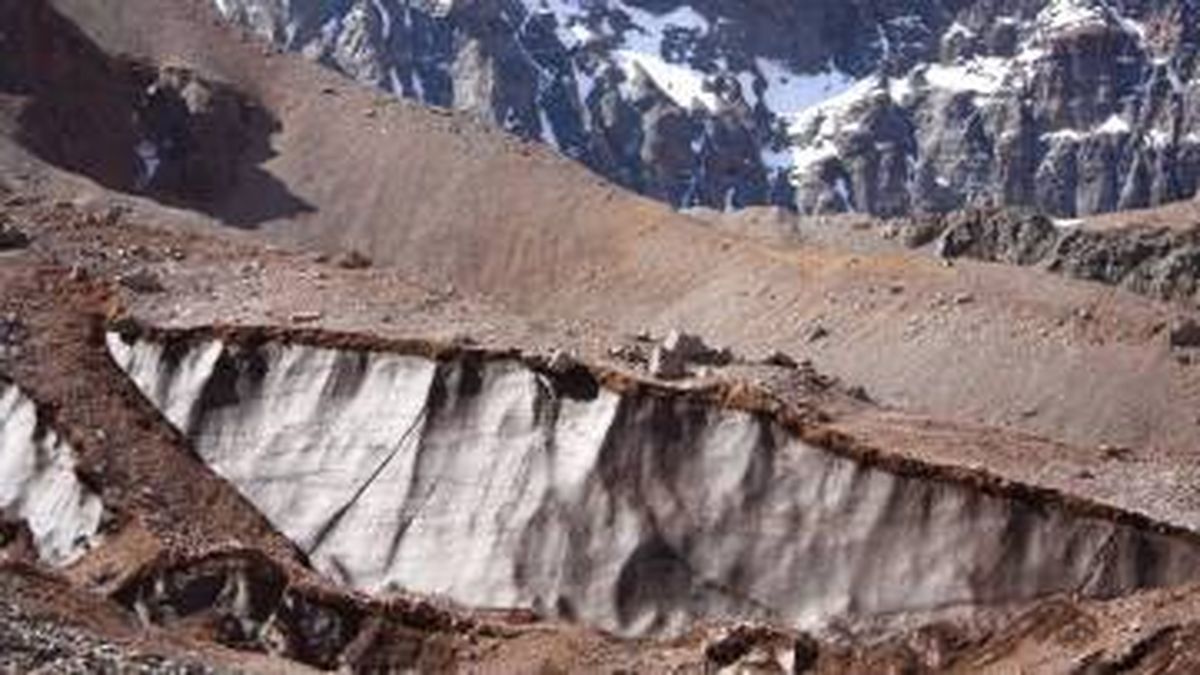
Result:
[781,359]
[670,358]
[12,238]
[667,364]
[141,281]
[353,260]
[1185,332]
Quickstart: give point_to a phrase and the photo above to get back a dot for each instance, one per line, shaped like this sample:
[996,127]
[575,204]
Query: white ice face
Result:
[38,484]
[639,514]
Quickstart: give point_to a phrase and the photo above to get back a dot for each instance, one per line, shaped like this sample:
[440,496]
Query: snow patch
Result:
[842,188]
[684,86]
[788,94]
[147,154]
[654,26]
[777,159]
[1114,125]
[957,30]
[746,84]
[983,75]
[817,128]
[548,135]
[643,53]
[1158,138]
[585,83]
[1063,136]
[397,86]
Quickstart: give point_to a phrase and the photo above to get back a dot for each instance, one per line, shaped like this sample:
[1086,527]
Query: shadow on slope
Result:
[158,132]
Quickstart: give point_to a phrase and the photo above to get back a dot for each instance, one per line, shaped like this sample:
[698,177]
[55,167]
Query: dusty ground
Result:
[997,373]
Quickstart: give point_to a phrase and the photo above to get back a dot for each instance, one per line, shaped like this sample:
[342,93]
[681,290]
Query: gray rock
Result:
[917,232]
[12,238]
[353,260]
[667,364]
[1163,263]
[670,359]
[561,361]
[305,317]
[686,345]
[997,236]
[141,281]
[1160,263]
[631,354]
[1185,332]
[781,360]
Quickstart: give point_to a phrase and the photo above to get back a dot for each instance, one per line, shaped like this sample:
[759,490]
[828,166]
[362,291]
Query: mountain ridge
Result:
[1074,107]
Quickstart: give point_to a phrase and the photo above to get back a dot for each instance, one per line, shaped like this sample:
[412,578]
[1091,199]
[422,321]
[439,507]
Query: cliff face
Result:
[1072,106]
[497,483]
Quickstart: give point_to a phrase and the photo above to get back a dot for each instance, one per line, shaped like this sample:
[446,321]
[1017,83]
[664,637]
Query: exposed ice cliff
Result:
[38,483]
[638,509]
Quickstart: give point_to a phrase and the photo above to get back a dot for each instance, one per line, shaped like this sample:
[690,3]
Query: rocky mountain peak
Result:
[1070,106]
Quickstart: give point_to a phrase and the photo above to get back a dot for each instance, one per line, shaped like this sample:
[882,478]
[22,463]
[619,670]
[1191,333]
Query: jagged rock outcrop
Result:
[997,236]
[1072,106]
[1161,262]
[496,482]
[39,485]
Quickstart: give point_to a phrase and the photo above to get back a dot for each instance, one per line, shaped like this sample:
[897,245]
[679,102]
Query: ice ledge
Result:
[639,509]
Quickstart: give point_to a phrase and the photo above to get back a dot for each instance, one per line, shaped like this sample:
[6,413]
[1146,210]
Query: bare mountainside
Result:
[297,376]
[467,207]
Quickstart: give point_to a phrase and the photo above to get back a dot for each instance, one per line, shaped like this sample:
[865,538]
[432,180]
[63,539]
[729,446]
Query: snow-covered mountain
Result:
[881,106]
